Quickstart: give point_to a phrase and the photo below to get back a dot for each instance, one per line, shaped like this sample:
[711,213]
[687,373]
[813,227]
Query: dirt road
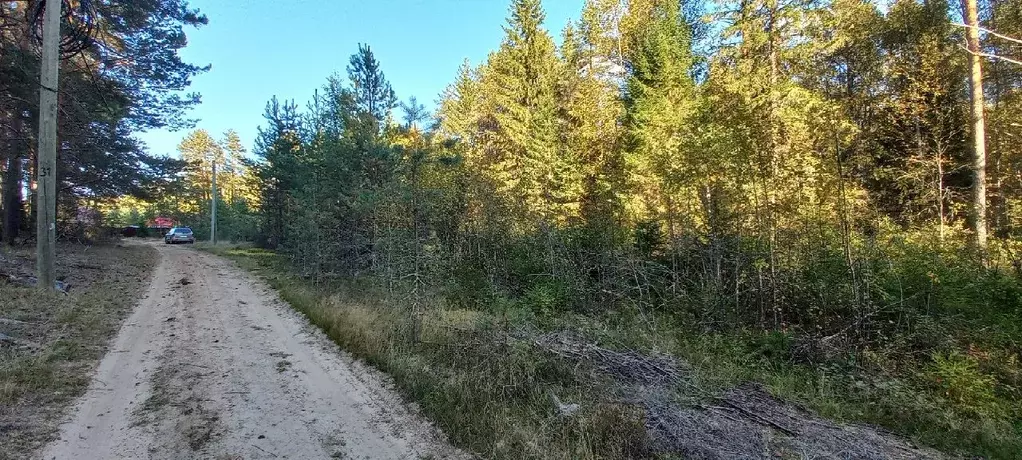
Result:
[212,365]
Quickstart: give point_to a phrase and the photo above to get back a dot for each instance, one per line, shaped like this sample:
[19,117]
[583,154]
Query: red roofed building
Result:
[161,222]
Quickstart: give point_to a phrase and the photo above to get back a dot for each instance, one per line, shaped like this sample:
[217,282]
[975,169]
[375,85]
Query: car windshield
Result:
[183,230]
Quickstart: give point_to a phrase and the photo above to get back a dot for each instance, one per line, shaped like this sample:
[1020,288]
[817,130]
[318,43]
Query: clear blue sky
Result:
[287,48]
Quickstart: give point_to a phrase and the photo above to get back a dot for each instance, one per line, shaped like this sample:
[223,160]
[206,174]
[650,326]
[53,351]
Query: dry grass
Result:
[490,393]
[59,339]
[488,379]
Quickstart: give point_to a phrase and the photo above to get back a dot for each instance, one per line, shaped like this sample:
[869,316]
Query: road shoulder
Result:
[52,342]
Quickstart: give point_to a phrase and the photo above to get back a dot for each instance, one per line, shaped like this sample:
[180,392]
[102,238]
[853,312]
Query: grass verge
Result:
[56,340]
[489,395]
[494,395]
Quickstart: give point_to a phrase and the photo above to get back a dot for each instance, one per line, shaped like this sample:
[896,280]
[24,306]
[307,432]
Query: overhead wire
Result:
[78,22]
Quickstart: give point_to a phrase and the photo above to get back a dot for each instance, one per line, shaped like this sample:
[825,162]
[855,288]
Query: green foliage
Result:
[546,297]
[102,105]
[965,386]
[774,346]
[370,92]
[277,146]
[661,100]
[468,287]
[529,169]
[794,195]
[648,237]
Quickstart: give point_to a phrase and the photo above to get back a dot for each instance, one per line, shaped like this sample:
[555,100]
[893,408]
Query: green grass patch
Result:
[492,395]
[60,338]
[489,394]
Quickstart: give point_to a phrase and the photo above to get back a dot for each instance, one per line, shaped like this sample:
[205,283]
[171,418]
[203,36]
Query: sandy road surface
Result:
[212,365]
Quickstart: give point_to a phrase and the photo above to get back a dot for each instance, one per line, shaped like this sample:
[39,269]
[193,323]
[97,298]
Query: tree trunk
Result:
[979,200]
[13,201]
[17,146]
[12,206]
[775,143]
[940,194]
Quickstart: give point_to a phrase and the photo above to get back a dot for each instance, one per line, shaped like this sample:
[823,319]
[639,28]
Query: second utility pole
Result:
[212,219]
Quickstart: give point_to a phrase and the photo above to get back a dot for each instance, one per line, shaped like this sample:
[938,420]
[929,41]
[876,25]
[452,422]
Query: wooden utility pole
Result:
[46,199]
[212,218]
[979,158]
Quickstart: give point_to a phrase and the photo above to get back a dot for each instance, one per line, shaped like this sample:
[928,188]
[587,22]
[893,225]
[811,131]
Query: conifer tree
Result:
[529,166]
[592,112]
[233,167]
[278,146]
[922,135]
[371,93]
[200,150]
[661,101]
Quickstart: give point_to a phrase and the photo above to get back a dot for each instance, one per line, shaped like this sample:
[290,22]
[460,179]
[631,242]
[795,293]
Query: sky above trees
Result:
[262,48]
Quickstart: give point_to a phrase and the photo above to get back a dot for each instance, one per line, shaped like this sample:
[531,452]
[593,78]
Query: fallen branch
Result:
[626,365]
[4,338]
[723,411]
[758,418]
[264,450]
[31,281]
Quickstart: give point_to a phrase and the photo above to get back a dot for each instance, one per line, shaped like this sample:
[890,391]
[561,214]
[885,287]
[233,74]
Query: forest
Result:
[823,196]
[120,74]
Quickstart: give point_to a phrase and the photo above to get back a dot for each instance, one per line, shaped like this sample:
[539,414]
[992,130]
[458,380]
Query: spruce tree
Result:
[661,102]
[591,116]
[528,165]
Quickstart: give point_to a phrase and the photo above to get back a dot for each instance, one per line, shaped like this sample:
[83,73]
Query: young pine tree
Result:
[278,146]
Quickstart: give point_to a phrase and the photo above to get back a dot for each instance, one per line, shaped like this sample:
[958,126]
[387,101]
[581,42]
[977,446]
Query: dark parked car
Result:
[179,235]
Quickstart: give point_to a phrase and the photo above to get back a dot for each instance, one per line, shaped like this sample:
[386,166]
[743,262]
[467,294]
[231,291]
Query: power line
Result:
[78,22]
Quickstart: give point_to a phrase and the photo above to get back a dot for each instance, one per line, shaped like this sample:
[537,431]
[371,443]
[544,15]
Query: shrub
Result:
[964,386]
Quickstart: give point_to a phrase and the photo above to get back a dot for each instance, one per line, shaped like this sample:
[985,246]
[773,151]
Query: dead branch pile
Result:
[745,422]
[749,423]
[627,367]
